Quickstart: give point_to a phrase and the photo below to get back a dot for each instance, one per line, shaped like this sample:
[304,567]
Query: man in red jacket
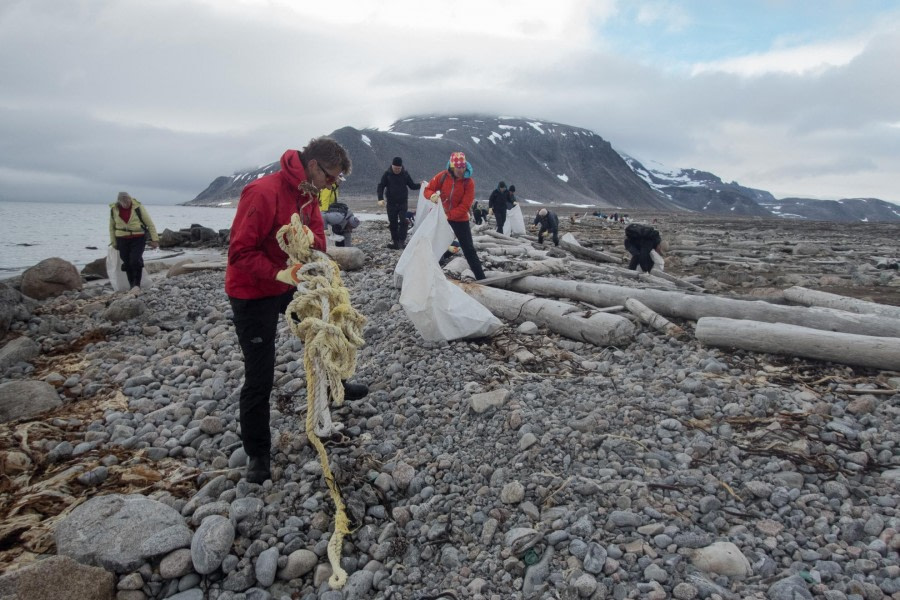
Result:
[259,284]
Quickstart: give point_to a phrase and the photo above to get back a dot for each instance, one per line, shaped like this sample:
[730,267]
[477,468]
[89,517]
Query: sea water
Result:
[79,233]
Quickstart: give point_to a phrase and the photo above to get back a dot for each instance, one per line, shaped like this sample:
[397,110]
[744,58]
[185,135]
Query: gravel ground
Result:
[663,469]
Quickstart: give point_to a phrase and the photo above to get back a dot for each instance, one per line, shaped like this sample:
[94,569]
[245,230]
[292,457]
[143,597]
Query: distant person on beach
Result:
[260,285]
[480,214]
[497,205]
[512,201]
[644,243]
[395,185]
[549,223]
[129,224]
[454,188]
[338,215]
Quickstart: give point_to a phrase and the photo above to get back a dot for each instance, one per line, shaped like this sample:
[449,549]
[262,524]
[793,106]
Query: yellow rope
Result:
[331,329]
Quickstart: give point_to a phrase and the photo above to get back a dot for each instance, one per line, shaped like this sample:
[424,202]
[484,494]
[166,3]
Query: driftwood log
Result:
[692,306]
[778,338]
[807,297]
[568,242]
[653,319]
[599,328]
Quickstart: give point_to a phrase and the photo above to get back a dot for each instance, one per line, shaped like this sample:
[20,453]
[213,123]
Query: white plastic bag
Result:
[118,279]
[515,222]
[438,309]
[423,207]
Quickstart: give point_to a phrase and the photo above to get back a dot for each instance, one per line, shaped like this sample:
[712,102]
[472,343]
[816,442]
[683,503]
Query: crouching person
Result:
[338,215]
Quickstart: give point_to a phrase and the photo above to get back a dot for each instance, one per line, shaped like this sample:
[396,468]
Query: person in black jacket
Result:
[395,185]
[549,223]
[641,241]
[497,205]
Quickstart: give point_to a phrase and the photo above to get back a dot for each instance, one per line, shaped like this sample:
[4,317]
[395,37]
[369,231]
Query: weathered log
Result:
[598,328]
[807,297]
[693,306]
[546,267]
[653,319]
[778,338]
[568,242]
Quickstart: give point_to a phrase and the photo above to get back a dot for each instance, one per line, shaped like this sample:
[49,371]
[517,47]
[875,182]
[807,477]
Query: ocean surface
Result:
[79,233]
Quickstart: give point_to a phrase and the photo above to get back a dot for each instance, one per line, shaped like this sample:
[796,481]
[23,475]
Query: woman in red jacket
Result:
[455,190]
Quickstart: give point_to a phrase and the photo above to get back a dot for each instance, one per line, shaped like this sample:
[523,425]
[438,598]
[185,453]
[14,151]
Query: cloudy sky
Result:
[159,97]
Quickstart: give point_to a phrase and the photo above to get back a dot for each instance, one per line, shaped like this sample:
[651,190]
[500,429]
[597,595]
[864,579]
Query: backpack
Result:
[338,207]
[638,231]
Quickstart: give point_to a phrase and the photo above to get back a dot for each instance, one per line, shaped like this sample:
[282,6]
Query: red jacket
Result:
[457,195]
[266,204]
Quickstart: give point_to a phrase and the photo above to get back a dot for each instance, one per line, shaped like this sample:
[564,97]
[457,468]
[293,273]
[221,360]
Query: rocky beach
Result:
[523,465]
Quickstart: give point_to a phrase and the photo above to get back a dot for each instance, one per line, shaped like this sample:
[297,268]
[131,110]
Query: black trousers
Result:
[552,232]
[500,215]
[396,214]
[464,236]
[256,322]
[131,251]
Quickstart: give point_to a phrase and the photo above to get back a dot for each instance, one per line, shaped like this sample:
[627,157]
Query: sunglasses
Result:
[328,176]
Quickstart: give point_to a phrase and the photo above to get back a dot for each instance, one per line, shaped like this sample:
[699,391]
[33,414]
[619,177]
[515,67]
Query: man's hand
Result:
[290,275]
[154,245]
[381,203]
[490,211]
[436,197]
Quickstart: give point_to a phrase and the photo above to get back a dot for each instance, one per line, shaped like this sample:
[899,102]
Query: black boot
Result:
[393,246]
[258,469]
[355,391]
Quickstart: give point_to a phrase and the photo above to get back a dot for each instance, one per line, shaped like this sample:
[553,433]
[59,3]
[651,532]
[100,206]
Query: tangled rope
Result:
[331,329]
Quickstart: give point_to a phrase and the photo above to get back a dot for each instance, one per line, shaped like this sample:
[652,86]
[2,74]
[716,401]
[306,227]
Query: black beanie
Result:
[397,162]
[512,188]
[501,185]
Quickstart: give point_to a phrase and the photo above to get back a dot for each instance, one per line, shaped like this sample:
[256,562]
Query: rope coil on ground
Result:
[331,329]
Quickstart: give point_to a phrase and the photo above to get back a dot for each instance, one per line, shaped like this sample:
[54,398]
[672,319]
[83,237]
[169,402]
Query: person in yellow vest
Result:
[338,215]
[129,226]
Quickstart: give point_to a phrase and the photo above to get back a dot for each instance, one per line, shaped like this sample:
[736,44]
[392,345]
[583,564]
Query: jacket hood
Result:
[292,169]
[466,173]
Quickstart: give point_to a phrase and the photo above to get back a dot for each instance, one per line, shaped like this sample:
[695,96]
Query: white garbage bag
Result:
[117,277]
[438,309]
[515,222]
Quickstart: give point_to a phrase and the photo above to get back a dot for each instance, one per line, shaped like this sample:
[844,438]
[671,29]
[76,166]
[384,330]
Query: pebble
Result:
[493,483]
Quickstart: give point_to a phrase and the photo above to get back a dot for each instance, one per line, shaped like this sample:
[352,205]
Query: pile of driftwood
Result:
[586,294]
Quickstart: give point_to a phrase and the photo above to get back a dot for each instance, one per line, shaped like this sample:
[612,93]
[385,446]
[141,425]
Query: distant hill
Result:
[703,192]
[549,163]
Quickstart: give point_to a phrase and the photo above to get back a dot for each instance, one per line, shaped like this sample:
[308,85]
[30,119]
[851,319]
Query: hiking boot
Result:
[258,469]
[355,391]
[392,246]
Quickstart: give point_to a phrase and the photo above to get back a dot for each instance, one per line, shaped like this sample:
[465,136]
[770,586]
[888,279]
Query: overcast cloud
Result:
[160,97]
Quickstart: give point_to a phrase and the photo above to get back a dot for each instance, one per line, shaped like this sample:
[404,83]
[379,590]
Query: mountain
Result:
[701,191]
[549,163]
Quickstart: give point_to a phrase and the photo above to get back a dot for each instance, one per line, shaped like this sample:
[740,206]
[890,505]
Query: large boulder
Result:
[348,259]
[48,578]
[124,309]
[50,277]
[13,306]
[18,350]
[169,239]
[96,269]
[26,398]
[117,532]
